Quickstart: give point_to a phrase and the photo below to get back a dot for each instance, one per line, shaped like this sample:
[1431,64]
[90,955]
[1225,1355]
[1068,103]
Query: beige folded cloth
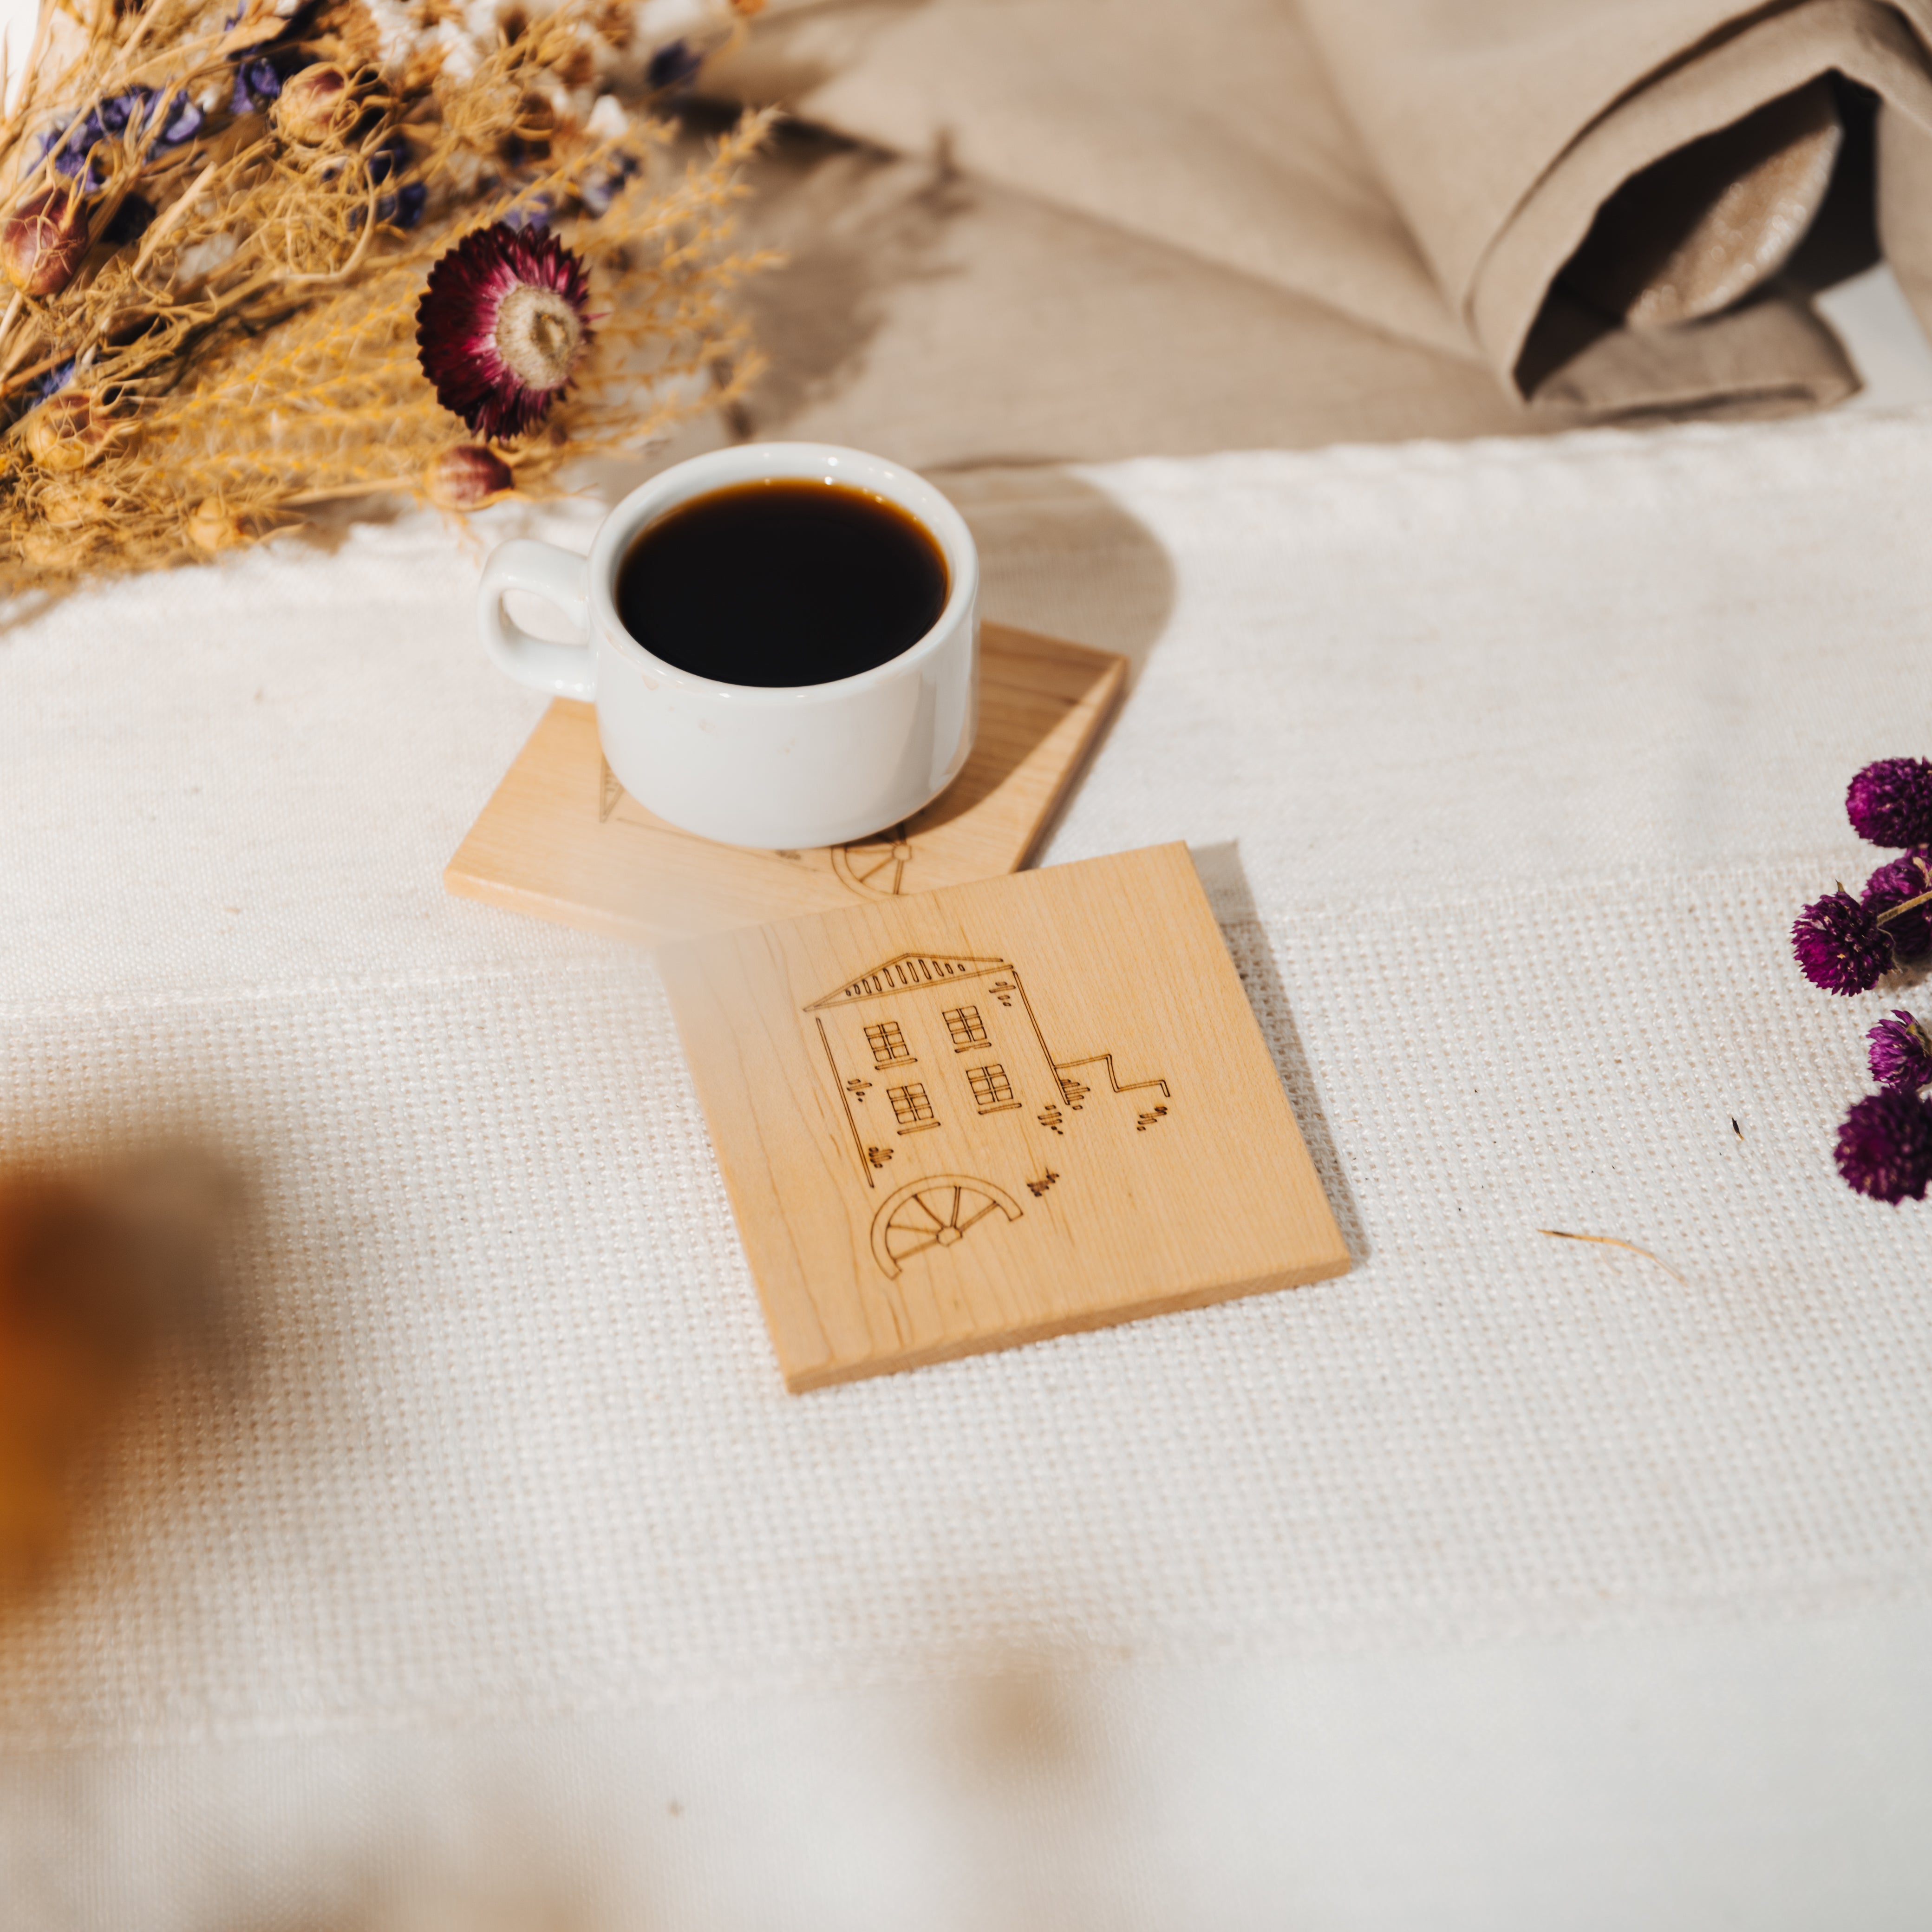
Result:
[1595,202]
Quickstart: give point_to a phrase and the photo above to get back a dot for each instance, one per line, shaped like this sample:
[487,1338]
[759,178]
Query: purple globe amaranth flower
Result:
[1890,802]
[1905,877]
[1884,1147]
[1901,1053]
[1840,946]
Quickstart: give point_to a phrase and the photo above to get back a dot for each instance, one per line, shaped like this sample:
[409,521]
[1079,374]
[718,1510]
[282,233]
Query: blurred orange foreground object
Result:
[74,1329]
[93,1271]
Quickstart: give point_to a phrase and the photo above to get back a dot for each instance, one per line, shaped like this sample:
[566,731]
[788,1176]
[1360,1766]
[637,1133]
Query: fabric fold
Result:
[1601,205]
[1501,143]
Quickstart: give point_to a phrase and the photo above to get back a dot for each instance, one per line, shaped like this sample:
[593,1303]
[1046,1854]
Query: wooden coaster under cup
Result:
[963,1120]
[562,839]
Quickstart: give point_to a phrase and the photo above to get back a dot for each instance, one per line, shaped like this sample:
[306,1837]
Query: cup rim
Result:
[754,462]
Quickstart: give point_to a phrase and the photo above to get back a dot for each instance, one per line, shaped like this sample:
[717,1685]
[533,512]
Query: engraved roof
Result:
[910,972]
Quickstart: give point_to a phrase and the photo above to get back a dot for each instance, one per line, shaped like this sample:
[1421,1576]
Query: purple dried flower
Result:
[1901,1053]
[132,112]
[1840,946]
[184,122]
[74,143]
[600,191]
[402,209]
[674,65]
[502,326]
[1890,802]
[1898,880]
[532,216]
[1884,1147]
[256,83]
[122,115]
[405,207]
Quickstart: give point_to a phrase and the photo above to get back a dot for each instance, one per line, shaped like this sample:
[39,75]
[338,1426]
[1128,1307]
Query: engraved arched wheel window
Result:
[926,1215]
[876,868]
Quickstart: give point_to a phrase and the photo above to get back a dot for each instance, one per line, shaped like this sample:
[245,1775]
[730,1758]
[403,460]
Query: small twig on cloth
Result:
[1611,1241]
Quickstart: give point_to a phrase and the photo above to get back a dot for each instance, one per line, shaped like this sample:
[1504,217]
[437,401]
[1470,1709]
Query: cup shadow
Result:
[1226,883]
[1031,688]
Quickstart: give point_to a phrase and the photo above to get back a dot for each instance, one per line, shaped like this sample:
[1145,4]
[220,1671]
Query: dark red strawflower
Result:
[1840,946]
[501,327]
[1901,1053]
[1898,880]
[1884,1147]
[1890,802]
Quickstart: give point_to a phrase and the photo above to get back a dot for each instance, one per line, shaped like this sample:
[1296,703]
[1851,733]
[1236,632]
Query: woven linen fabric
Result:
[1506,767]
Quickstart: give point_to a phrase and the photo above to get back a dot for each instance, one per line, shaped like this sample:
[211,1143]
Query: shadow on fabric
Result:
[1227,890]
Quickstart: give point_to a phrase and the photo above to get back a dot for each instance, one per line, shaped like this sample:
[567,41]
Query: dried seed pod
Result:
[314,104]
[55,550]
[64,432]
[215,526]
[43,241]
[465,477]
[68,503]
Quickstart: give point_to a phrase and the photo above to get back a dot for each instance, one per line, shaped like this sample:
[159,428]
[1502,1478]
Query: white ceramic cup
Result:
[792,766]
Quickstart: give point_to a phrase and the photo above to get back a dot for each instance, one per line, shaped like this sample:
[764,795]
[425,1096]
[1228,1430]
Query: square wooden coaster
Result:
[563,840]
[974,1117]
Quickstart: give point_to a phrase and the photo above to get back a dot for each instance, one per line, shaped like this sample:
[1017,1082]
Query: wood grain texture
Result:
[974,1118]
[561,839]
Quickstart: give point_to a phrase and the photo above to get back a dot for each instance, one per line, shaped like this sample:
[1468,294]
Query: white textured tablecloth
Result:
[1506,1581]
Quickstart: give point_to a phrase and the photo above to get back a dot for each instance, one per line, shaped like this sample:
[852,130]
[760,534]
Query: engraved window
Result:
[990,1086]
[966,1026]
[911,1108]
[887,1043]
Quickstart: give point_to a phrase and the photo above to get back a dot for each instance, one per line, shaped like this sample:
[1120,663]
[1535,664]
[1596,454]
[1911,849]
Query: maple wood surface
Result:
[976,1117]
[562,839]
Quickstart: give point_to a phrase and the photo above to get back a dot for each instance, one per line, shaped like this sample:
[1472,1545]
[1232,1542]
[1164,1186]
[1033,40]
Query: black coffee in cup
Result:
[787,582]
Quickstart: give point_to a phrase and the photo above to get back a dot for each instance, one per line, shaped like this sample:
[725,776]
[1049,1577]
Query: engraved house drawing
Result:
[922,1044]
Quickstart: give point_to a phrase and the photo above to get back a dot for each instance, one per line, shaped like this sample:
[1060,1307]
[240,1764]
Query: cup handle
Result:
[562,580]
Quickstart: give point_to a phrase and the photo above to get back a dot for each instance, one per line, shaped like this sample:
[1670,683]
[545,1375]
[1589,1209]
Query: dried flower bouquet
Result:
[227,222]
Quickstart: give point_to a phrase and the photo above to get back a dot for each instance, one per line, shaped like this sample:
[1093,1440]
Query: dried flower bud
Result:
[215,526]
[466,477]
[43,241]
[47,549]
[64,432]
[314,104]
[68,502]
